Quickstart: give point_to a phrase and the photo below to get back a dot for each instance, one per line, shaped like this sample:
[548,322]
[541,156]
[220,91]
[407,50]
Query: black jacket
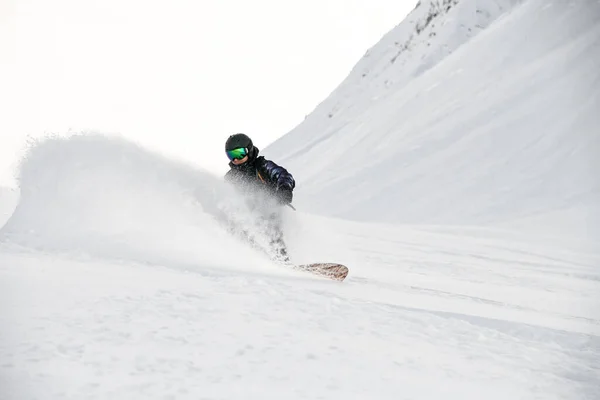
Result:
[262,174]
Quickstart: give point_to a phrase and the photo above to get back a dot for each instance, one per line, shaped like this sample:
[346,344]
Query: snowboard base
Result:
[333,271]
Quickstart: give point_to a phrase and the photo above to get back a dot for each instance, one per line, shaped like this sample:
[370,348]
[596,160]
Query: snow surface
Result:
[117,279]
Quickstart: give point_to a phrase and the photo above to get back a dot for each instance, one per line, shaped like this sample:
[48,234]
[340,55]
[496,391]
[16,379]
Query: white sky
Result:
[176,76]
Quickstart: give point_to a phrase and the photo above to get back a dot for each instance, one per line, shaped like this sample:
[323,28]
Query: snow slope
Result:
[118,280]
[503,129]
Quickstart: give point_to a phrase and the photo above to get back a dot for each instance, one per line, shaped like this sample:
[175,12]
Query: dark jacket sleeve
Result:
[277,176]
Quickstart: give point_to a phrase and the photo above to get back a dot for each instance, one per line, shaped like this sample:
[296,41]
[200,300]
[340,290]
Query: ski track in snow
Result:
[118,281]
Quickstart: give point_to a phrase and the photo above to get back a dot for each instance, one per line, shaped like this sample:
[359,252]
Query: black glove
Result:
[284,195]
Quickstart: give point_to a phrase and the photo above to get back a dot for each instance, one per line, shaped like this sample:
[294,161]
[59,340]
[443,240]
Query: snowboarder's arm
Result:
[278,176]
[279,179]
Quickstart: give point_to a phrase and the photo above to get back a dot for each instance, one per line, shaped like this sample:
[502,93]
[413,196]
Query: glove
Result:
[284,195]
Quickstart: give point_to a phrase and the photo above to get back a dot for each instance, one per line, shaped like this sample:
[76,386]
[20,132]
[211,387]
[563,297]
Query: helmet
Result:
[239,140]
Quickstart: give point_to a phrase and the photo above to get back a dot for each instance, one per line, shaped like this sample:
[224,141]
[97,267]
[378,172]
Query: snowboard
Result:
[335,271]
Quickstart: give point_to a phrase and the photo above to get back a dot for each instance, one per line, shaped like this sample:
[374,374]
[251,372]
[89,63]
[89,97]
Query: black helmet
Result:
[239,140]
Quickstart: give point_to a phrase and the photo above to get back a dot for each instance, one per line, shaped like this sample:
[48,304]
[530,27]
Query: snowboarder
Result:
[253,176]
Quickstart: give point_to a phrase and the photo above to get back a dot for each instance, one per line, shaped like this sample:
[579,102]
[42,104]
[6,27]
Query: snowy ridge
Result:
[503,130]
[432,31]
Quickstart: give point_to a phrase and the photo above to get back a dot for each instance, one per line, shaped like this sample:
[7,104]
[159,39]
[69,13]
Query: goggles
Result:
[237,154]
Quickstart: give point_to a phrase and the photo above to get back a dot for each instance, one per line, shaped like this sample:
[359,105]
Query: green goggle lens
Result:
[237,154]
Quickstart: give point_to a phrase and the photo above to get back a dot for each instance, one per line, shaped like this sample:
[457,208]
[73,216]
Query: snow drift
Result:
[435,126]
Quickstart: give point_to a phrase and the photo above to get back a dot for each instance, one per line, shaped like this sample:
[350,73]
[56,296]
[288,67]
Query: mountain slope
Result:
[432,31]
[504,129]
